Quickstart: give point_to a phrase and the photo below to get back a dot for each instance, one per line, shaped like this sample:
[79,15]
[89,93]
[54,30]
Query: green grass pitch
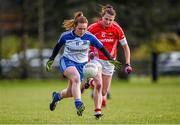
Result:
[138,101]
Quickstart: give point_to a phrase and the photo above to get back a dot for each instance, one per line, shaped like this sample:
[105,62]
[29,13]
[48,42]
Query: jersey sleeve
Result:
[57,47]
[95,42]
[61,40]
[120,32]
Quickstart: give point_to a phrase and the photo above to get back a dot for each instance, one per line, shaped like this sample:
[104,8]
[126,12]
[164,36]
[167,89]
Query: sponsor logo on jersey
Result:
[77,50]
[106,40]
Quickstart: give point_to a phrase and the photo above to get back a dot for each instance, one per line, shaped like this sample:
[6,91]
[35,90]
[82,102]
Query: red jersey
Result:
[109,36]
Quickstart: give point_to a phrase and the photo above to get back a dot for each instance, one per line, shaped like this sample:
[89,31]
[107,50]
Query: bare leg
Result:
[97,82]
[106,83]
[65,93]
[98,90]
[106,87]
[73,75]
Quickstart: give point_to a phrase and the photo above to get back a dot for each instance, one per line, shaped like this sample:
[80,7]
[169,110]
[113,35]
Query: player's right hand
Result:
[49,65]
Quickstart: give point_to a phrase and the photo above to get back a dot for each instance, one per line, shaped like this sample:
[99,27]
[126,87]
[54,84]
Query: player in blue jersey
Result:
[76,41]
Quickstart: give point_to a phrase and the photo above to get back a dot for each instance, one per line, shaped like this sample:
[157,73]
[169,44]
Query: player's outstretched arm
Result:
[52,57]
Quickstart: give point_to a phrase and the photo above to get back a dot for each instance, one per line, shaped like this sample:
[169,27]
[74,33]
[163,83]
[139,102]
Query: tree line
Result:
[38,23]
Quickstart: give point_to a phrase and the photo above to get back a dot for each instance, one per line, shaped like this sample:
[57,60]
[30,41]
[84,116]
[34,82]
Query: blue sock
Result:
[78,103]
[57,97]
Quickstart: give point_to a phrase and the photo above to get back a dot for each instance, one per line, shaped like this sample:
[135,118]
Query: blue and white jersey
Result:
[76,48]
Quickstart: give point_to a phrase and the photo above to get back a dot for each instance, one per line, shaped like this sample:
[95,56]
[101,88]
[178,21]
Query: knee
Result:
[75,79]
[98,85]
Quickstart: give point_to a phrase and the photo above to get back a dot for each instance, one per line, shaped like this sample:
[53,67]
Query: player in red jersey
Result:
[110,34]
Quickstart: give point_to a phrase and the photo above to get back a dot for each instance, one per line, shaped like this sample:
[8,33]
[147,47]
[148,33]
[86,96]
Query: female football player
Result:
[110,34]
[76,42]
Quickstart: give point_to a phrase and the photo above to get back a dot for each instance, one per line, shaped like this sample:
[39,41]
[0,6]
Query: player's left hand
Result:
[127,69]
[116,63]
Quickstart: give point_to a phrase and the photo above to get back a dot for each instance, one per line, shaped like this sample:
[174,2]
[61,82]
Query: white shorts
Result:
[106,66]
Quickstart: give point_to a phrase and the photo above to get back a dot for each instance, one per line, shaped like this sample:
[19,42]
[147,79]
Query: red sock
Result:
[98,111]
[104,103]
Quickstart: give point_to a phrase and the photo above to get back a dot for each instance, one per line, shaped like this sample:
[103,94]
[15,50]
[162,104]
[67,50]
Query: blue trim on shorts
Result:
[65,63]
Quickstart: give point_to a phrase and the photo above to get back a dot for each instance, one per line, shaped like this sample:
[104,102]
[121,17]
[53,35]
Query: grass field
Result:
[139,101]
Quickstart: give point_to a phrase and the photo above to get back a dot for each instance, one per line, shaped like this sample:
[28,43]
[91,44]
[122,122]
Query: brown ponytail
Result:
[78,18]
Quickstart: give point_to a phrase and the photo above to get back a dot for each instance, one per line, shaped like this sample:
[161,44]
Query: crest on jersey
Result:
[103,34]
